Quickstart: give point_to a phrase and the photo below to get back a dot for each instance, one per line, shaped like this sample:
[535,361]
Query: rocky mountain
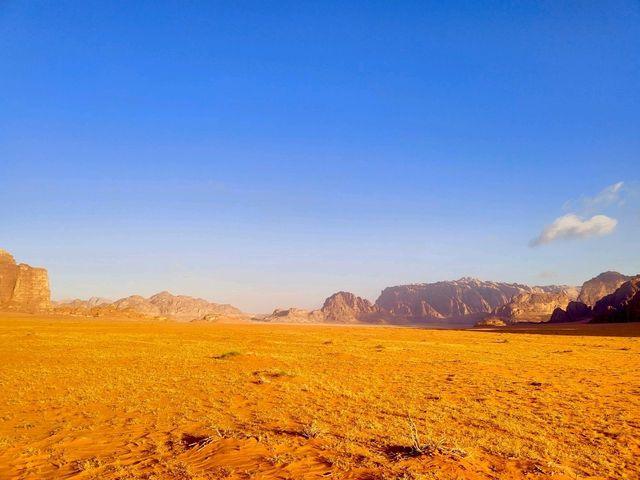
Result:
[78,303]
[294,315]
[465,297]
[177,307]
[623,305]
[341,307]
[574,312]
[345,307]
[604,284]
[22,288]
[460,302]
[592,291]
[534,306]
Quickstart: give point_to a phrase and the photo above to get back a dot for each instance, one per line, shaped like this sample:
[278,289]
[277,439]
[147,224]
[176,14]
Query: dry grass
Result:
[109,399]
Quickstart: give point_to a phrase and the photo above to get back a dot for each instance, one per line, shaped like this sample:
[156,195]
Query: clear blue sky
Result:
[270,153]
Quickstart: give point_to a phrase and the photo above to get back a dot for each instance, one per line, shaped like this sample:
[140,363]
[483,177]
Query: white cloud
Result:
[609,195]
[615,195]
[572,226]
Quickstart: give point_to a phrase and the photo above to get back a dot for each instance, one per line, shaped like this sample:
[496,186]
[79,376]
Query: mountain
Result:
[574,312]
[176,307]
[341,307]
[23,288]
[456,302]
[593,290]
[534,306]
[78,303]
[294,315]
[623,305]
[466,297]
[345,307]
[604,284]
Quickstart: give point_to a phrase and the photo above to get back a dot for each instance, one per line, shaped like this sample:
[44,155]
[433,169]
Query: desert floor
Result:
[82,398]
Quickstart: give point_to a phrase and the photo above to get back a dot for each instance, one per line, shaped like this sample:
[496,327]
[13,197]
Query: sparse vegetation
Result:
[429,405]
[226,355]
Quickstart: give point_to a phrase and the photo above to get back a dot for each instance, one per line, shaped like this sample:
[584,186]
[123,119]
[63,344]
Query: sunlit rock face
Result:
[623,305]
[176,307]
[534,307]
[452,299]
[345,307]
[22,288]
[604,284]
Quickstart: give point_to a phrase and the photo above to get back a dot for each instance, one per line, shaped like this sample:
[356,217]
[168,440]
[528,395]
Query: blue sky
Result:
[268,154]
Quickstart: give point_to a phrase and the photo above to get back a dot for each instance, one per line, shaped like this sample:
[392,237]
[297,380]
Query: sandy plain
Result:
[109,399]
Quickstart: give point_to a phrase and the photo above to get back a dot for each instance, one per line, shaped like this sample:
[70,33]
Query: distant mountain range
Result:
[610,296]
[456,303]
[175,307]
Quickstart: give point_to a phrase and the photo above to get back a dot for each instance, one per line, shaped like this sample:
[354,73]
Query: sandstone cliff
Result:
[341,307]
[604,284]
[177,307]
[574,312]
[295,315]
[78,303]
[534,306]
[162,305]
[22,288]
[623,305]
[345,307]
[466,297]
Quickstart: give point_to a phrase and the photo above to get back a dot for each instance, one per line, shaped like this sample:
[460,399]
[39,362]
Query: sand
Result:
[110,399]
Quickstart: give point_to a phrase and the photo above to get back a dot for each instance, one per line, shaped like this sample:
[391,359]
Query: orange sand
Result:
[115,399]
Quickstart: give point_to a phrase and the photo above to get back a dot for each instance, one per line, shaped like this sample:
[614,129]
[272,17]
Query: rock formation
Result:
[295,315]
[623,305]
[534,306]
[177,307]
[78,303]
[604,284]
[452,299]
[491,321]
[341,307]
[583,309]
[575,312]
[162,305]
[223,318]
[23,288]
[345,307]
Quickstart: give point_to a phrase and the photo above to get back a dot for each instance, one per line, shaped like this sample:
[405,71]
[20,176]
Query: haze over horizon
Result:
[271,158]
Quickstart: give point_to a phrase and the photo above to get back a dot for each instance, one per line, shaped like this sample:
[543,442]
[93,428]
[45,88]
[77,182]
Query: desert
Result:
[122,399]
[293,240]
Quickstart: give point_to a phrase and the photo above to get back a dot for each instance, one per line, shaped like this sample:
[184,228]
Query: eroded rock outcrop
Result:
[452,299]
[574,312]
[623,305]
[491,321]
[177,307]
[604,284]
[534,306]
[295,315]
[23,288]
[341,307]
[162,305]
[345,307]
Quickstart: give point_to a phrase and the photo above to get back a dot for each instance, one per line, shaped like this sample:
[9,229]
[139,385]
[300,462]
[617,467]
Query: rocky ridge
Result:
[161,305]
[594,289]
[623,305]
[534,306]
[22,287]
[466,297]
